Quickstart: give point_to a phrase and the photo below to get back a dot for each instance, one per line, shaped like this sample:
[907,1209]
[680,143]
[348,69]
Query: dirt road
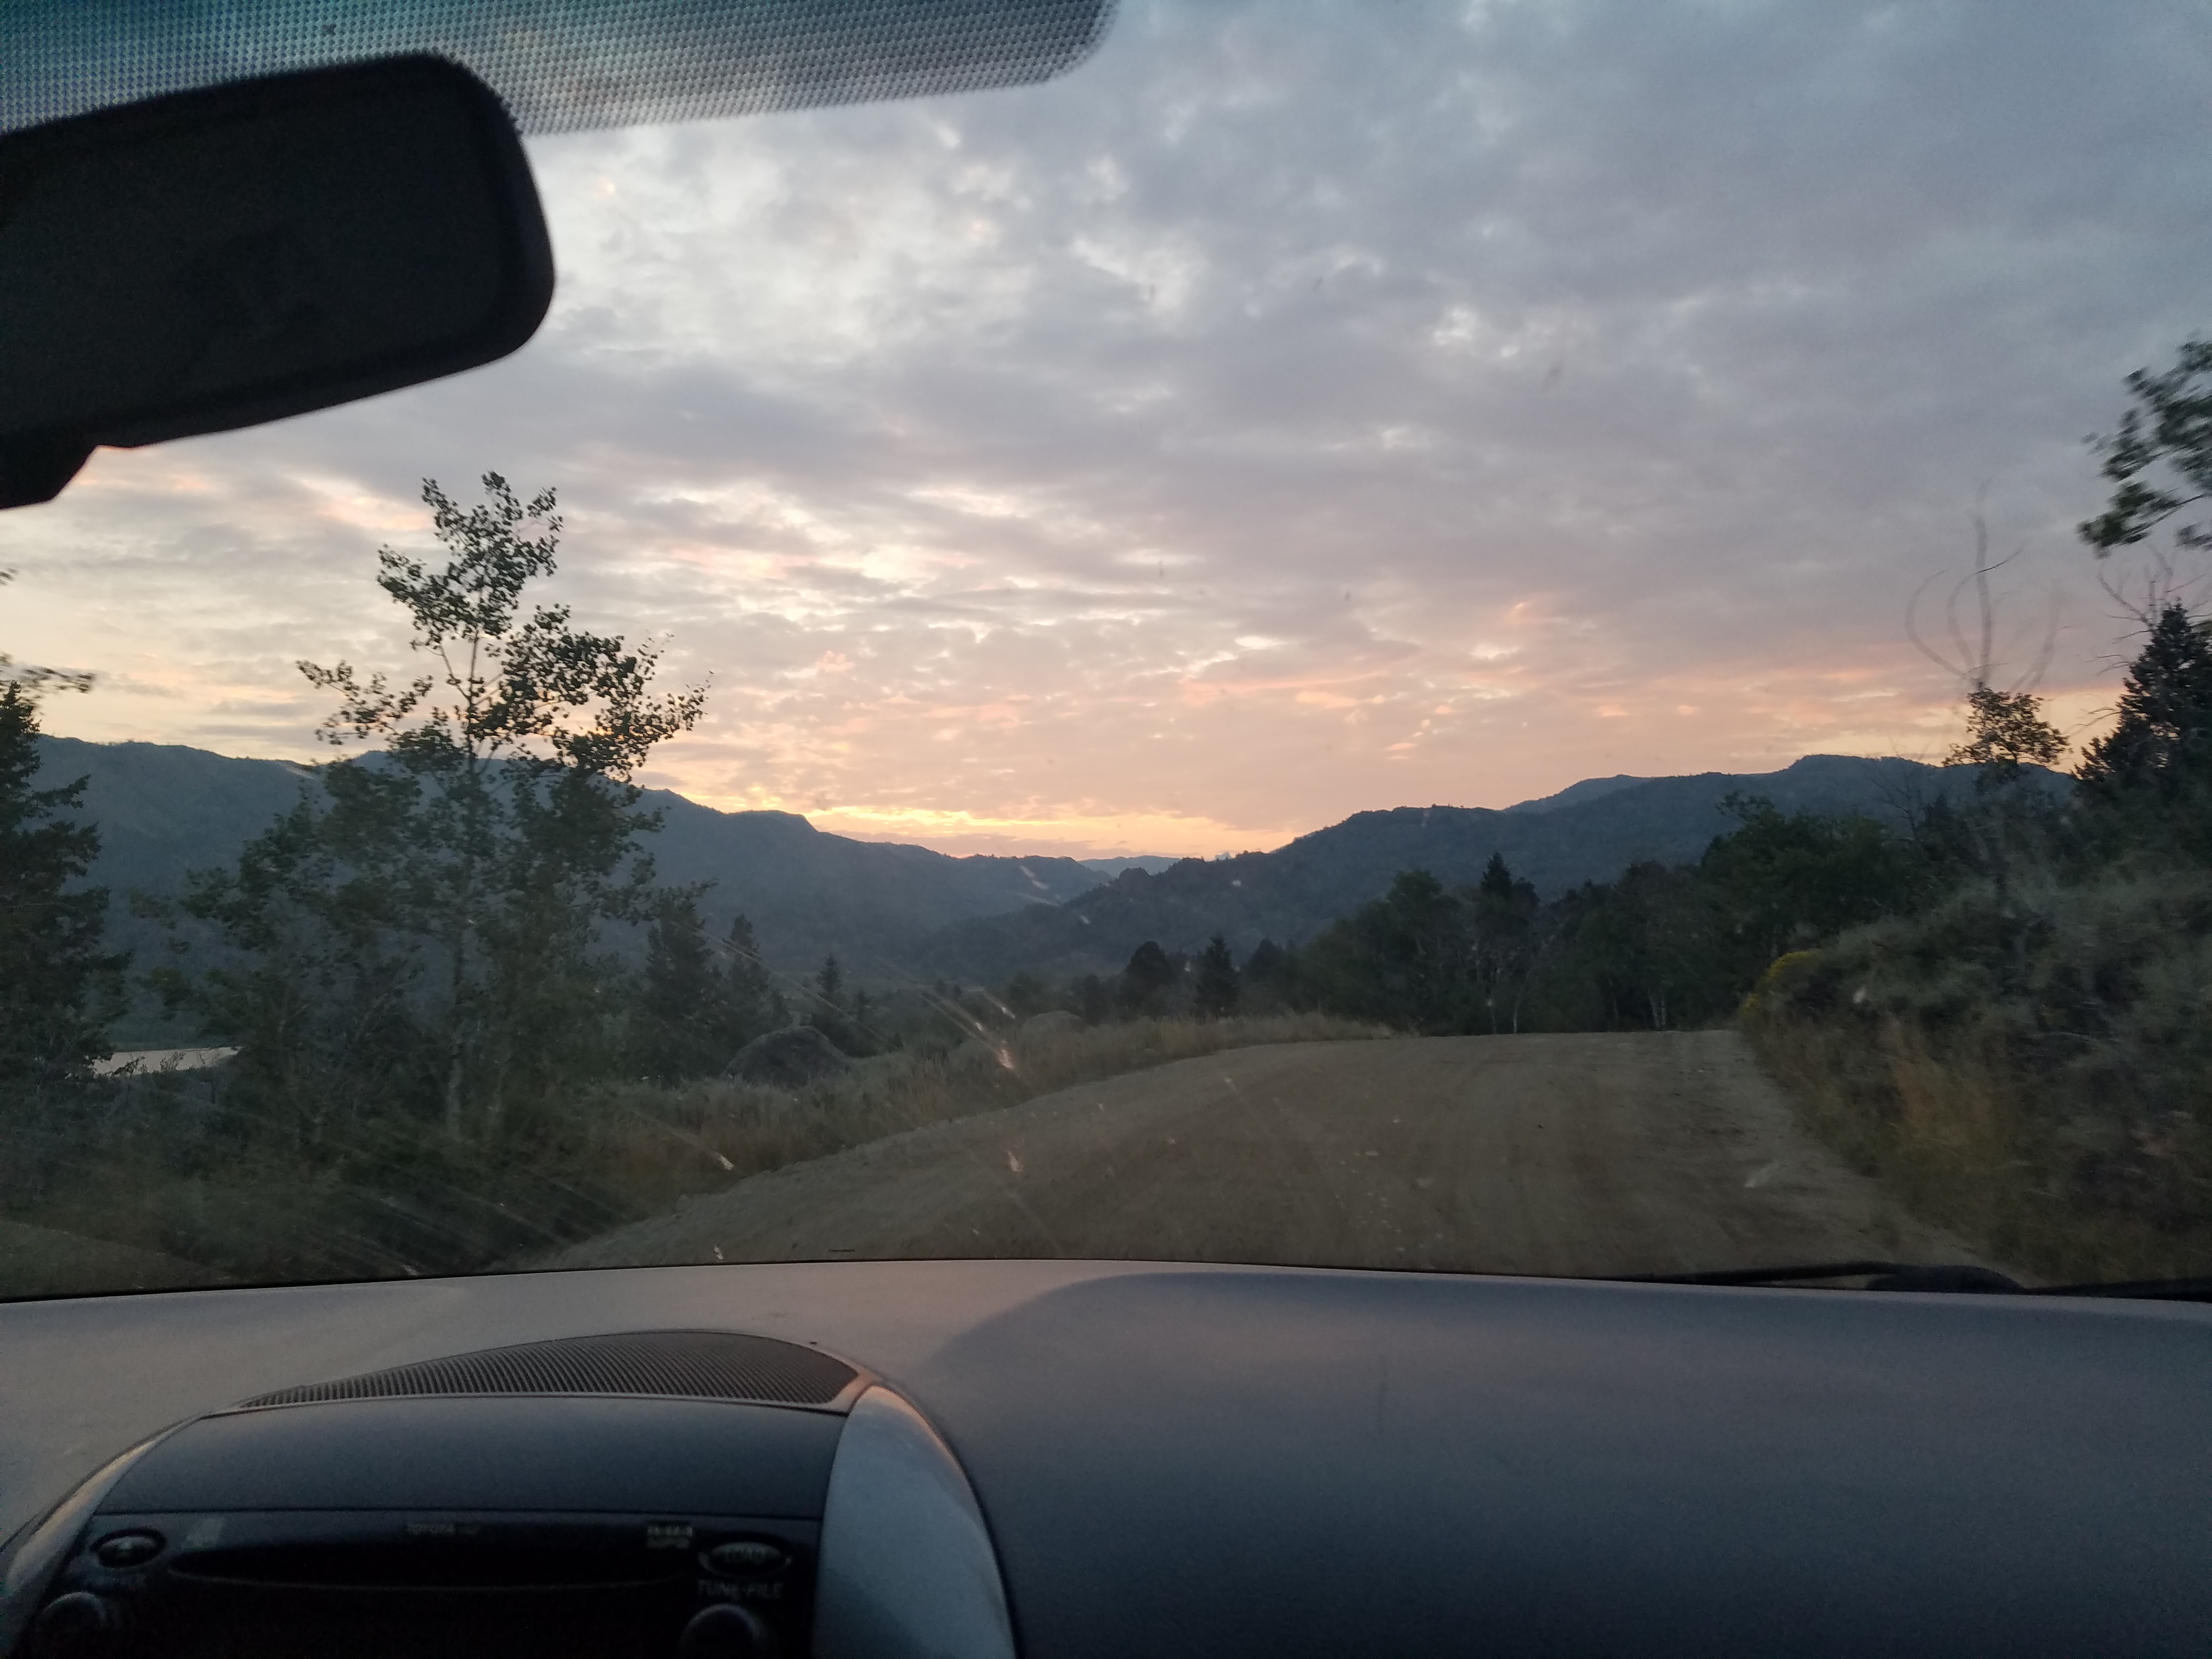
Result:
[1584,1154]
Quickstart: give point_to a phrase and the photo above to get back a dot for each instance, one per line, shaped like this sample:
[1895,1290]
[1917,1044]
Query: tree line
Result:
[1664,946]
[449,935]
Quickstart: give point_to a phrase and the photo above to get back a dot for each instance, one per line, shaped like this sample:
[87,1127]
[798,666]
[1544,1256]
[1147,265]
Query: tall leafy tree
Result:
[456,878]
[1402,959]
[322,986]
[2160,460]
[2006,733]
[1781,881]
[1148,981]
[57,987]
[1647,939]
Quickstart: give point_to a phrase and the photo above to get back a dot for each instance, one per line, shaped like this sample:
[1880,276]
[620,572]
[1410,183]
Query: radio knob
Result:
[78,1625]
[724,1632]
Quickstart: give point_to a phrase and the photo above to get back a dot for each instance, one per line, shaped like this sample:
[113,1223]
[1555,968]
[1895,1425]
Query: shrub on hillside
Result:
[2034,1066]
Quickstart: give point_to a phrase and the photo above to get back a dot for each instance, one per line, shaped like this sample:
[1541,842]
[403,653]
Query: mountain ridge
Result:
[1289,894]
[891,908]
[167,808]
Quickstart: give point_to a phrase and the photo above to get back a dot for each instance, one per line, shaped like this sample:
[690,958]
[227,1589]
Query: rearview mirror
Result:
[219,258]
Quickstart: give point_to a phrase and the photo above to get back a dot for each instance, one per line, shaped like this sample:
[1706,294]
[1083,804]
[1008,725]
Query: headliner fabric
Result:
[559,65]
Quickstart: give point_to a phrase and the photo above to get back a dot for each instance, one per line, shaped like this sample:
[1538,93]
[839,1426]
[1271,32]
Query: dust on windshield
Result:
[1475,638]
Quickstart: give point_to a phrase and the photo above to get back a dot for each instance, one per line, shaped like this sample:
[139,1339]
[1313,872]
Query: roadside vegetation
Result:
[2027,1054]
[471,1024]
[469,1021]
[163,1165]
[2000,1001]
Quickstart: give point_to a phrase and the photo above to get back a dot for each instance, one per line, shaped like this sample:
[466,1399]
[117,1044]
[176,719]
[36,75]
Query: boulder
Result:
[1056,1022]
[789,1059]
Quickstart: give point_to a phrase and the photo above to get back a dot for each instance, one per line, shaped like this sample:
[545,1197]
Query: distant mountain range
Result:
[888,908]
[1589,831]
[163,810]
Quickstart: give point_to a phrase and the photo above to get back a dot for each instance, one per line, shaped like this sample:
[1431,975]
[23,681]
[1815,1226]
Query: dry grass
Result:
[2035,1072]
[217,1202]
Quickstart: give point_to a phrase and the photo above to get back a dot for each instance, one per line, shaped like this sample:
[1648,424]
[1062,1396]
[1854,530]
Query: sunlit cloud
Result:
[1295,410]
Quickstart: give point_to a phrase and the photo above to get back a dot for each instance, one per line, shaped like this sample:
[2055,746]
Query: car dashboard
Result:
[990,1458]
[641,1494]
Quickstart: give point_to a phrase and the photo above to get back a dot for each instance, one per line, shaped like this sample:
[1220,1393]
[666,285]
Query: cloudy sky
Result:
[1300,408]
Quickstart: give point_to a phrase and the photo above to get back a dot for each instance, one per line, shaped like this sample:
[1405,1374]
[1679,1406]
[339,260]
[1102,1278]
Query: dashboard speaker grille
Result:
[672,1365]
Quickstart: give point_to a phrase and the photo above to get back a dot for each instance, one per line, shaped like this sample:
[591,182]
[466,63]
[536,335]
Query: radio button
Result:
[129,1549]
[743,1557]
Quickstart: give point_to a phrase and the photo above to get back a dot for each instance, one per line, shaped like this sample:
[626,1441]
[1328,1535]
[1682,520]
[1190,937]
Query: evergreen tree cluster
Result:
[58,987]
[1660,946]
[1154,984]
[699,1000]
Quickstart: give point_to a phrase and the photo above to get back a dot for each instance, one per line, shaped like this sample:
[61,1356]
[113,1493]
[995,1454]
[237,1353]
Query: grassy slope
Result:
[2034,1069]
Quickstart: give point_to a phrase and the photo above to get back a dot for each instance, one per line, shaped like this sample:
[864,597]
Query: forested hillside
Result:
[889,910]
[1589,832]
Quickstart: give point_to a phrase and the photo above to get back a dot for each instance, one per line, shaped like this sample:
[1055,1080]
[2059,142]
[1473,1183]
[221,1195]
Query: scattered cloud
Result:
[1295,410]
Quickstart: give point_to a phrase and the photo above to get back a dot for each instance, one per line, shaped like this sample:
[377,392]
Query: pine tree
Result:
[843,1020]
[1215,994]
[751,1004]
[675,1035]
[2161,749]
[1498,881]
[1498,938]
[58,988]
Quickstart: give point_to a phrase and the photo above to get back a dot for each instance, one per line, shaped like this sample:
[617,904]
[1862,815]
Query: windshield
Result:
[1471,637]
